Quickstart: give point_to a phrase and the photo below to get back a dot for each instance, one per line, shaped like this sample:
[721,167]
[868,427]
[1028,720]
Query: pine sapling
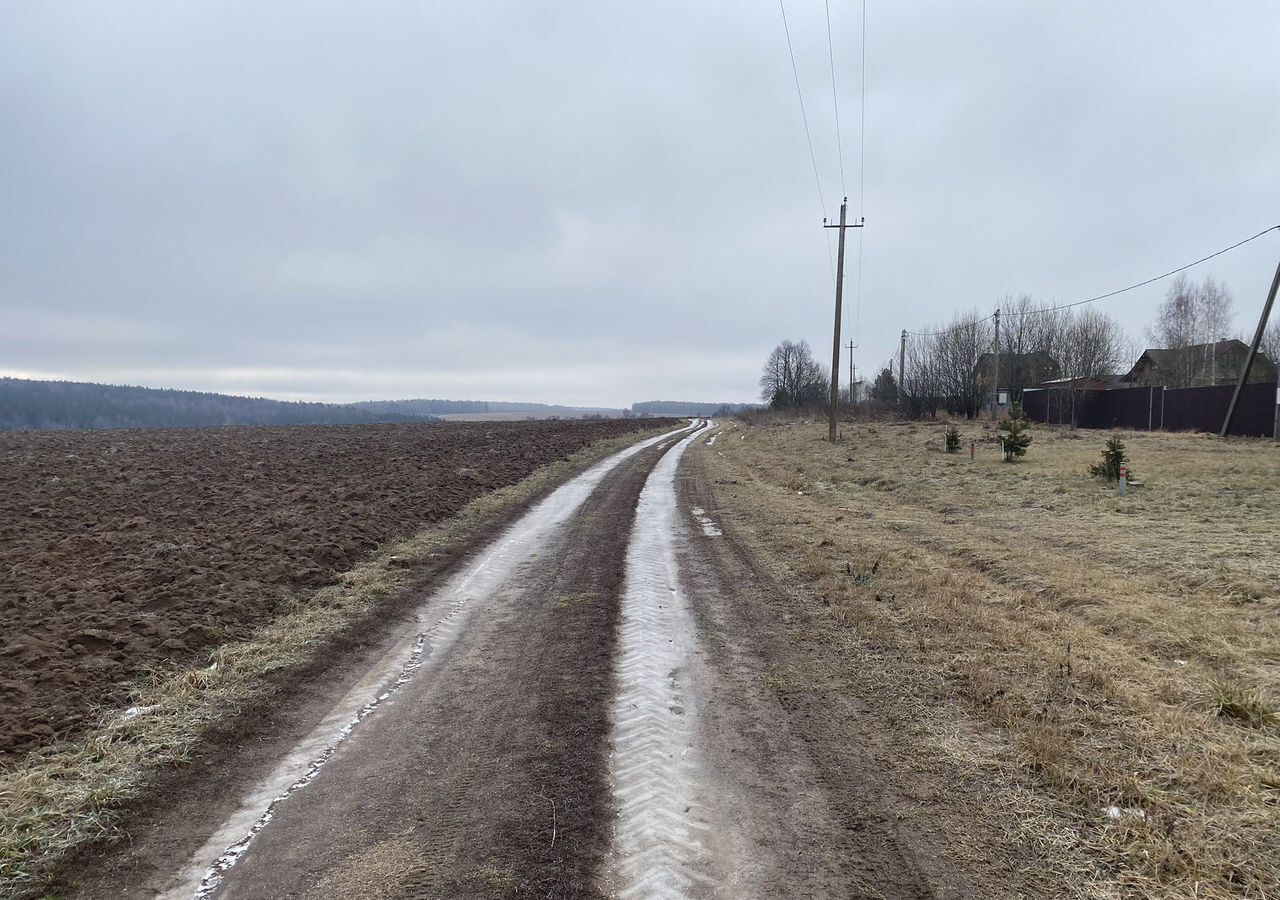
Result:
[1113,457]
[952,437]
[1014,439]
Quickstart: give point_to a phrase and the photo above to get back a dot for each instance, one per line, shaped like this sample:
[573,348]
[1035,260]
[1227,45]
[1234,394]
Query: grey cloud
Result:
[595,203]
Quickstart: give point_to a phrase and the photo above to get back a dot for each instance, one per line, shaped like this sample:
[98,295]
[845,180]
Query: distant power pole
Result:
[902,371]
[835,339]
[995,376]
[852,347]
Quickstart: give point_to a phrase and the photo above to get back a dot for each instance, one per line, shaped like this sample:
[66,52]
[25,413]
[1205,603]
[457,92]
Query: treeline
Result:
[953,366]
[67,405]
[1192,344]
[473,407]
[424,407]
[683,408]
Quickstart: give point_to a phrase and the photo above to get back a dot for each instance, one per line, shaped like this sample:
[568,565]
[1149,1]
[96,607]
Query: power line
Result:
[954,328]
[862,167]
[831,260]
[857,317]
[803,115]
[1118,291]
[835,99]
[862,126]
[1157,277]
[822,200]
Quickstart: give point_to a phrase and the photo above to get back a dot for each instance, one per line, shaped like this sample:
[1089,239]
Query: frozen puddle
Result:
[661,841]
[709,527]
[443,615]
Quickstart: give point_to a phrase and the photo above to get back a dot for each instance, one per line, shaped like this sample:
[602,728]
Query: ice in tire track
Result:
[662,837]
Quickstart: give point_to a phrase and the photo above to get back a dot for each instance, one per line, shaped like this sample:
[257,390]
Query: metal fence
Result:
[1156,408]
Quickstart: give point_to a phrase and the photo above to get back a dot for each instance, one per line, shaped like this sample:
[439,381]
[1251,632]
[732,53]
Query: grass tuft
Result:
[1233,699]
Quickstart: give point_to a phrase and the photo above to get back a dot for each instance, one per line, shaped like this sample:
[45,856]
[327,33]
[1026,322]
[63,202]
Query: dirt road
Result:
[595,706]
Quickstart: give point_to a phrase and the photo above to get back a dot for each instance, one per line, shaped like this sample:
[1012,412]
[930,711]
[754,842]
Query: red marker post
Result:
[1123,484]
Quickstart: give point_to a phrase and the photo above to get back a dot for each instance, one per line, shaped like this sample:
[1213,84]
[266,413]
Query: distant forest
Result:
[683,408]
[458,407]
[69,405]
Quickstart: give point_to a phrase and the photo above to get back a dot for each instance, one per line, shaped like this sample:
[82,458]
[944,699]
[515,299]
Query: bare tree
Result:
[1093,348]
[792,378]
[956,353]
[1271,341]
[1031,336]
[1192,315]
[943,367]
[921,386]
[946,365]
[1017,336]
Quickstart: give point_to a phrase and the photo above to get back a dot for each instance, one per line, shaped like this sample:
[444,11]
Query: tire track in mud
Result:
[491,770]
[662,838]
[796,759]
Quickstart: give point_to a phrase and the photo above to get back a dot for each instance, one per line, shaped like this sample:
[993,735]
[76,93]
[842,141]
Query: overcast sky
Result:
[598,203]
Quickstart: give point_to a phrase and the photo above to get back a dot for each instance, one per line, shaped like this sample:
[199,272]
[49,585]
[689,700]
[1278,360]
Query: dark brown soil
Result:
[122,550]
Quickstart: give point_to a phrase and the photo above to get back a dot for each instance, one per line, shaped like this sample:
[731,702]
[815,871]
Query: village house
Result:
[1200,365]
[1017,370]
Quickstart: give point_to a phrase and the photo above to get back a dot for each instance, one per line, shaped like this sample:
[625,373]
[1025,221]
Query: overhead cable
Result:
[1118,291]
[803,114]
[835,99]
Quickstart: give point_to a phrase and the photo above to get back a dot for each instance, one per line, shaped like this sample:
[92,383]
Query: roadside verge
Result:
[1078,687]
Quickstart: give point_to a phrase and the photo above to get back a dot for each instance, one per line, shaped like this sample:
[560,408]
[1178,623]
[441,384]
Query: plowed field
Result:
[121,550]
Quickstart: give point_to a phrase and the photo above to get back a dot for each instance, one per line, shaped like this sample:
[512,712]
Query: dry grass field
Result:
[1107,668]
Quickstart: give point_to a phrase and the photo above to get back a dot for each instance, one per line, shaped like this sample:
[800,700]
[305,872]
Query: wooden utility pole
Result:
[995,373]
[835,339]
[1253,352]
[852,399]
[902,371]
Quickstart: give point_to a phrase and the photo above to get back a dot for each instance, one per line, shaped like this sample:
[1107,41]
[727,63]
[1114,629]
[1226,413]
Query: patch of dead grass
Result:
[1110,663]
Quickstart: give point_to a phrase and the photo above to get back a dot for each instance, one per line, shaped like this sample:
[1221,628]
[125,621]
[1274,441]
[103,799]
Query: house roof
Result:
[1071,382]
[1161,357]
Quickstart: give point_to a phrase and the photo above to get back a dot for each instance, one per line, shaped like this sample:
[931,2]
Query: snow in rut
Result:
[661,845]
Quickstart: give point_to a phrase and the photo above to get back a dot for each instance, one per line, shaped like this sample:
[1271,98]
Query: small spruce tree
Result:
[1014,439]
[885,388]
[953,439]
[1113,457]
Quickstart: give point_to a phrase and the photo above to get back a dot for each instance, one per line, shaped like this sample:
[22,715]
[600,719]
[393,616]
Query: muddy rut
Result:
[585,711]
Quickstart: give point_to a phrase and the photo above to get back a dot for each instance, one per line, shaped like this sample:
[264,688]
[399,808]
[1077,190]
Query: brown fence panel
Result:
[1035,403]
[1140,409]
[1205,408]
[1136,408]
[1055,406]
